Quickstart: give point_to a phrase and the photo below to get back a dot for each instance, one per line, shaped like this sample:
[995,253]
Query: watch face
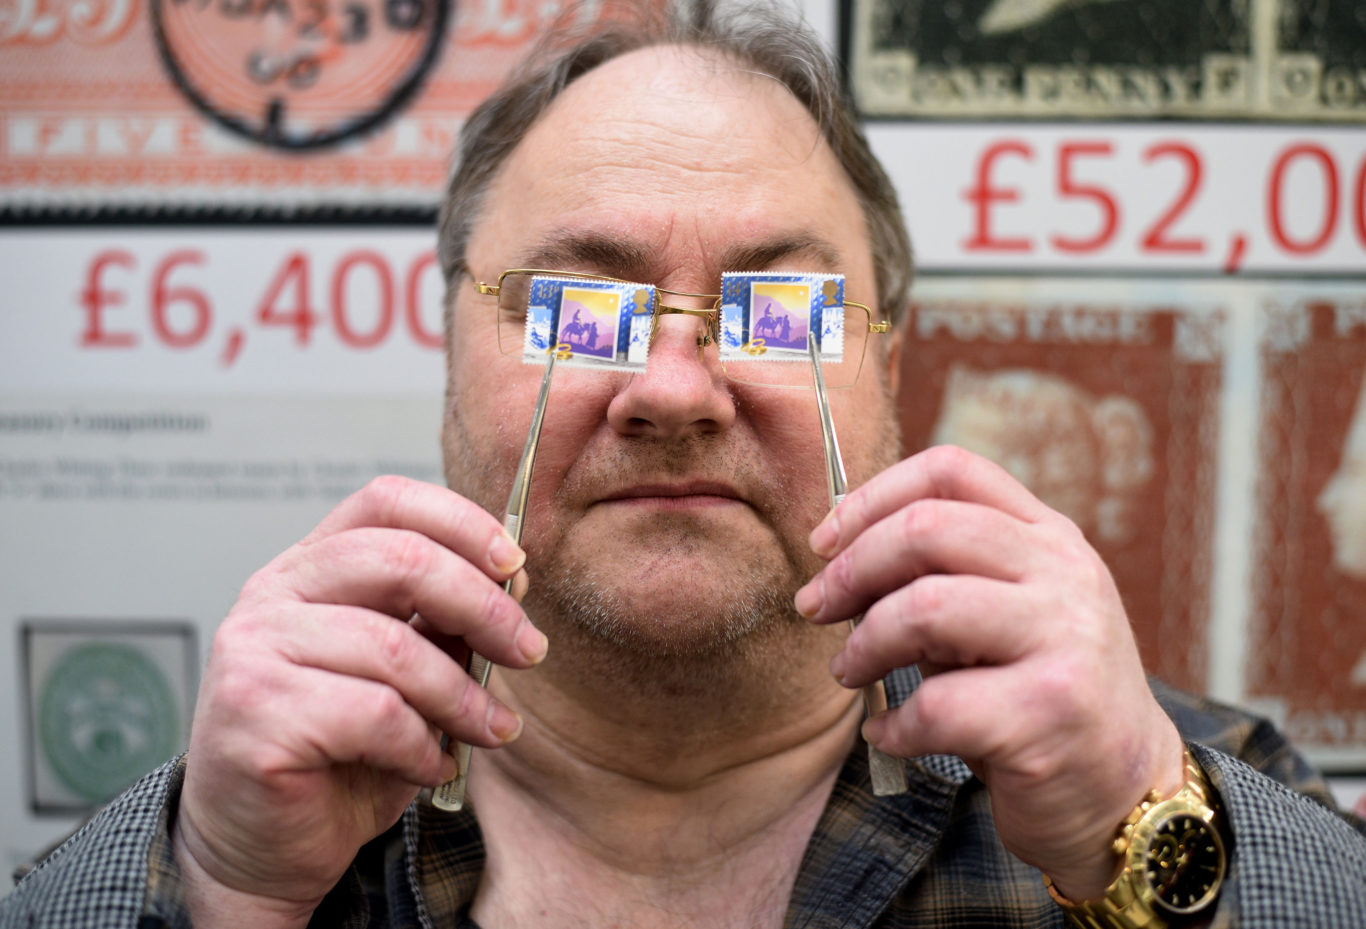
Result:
[1185,863]
[299,74]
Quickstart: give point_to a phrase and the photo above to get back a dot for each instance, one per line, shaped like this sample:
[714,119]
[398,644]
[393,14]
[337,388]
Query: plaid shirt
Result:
[929,858]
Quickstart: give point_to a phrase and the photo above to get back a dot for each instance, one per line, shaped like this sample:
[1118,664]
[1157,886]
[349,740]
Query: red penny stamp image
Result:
[1108,412]
[1307,653]
[299,73]
[247,106]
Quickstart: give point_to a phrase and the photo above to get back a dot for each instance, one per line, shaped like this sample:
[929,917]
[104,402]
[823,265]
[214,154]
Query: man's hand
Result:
[327,690]
[1031,671]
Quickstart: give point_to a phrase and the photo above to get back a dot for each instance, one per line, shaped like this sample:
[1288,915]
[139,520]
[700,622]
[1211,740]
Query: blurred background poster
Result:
[222,315]
[1141,232]
[1141,229]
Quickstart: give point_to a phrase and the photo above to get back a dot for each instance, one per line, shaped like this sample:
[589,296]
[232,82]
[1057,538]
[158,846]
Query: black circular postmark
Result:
[299,74]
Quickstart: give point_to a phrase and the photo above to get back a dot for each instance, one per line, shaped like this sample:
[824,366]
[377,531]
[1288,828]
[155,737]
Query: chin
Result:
[672,616]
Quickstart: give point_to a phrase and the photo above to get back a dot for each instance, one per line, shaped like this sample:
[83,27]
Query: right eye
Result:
[513,295]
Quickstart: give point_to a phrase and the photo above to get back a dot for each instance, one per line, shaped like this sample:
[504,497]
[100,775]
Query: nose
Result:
[682,390]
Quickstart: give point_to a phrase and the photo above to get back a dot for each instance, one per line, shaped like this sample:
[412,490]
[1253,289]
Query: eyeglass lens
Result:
[762,329]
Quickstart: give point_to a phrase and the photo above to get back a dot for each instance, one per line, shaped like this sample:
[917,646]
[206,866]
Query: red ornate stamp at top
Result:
[247,104]
[299,73]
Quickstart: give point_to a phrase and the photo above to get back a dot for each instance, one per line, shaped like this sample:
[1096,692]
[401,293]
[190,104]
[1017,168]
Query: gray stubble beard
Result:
[585,617]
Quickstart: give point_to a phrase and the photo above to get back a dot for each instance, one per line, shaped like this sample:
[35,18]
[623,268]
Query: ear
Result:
[893,359]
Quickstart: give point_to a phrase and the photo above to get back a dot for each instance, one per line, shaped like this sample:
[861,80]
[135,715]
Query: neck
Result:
[647,798]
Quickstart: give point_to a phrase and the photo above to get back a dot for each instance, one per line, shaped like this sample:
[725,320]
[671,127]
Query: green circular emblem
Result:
[106,716]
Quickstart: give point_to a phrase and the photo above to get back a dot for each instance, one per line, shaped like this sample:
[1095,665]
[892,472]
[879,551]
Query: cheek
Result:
[867,427]
[787,432]
[576,412]
[489,403]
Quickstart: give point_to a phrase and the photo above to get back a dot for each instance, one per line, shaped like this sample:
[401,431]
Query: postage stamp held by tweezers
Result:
[588,323]
[766,316]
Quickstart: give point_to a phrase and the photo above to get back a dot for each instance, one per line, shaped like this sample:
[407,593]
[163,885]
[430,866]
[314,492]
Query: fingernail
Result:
[874,729]
[520,584]
[837,667]
[505,553]
[449,768]
[810,598]
[532,642]
[502,722]
[826,536]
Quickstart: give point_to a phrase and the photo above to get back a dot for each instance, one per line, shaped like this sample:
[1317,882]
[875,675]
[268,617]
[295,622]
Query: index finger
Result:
[459,524]
[945,472]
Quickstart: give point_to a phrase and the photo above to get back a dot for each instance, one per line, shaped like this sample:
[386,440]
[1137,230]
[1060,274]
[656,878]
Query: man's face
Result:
[669,509]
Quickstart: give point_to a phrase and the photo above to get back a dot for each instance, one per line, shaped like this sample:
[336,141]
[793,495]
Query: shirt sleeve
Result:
[1296,860]
[116,871]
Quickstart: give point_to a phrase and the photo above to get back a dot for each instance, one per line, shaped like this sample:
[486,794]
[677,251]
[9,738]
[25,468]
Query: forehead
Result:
[679,152]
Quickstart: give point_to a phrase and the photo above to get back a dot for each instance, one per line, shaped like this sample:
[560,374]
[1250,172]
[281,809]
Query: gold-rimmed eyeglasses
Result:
[759,339]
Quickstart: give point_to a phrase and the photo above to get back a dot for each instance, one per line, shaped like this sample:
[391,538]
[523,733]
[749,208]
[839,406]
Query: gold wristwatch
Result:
[1174,860]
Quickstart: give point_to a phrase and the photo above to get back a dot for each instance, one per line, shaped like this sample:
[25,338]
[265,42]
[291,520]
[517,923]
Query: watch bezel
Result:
[1140,852]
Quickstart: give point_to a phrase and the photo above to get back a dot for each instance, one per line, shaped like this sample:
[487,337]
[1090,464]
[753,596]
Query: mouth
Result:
[675,495]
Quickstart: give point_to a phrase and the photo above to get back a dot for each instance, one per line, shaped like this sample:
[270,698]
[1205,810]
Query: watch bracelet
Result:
[1120,907]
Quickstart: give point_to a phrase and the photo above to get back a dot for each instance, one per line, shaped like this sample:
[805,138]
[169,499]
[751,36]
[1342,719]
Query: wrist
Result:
[1162,777]
[1172,855]
[213,904]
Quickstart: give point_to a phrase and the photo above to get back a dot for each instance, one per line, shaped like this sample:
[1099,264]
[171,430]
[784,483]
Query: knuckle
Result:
[260,586]
[237,637]
[383,497]
[839,575]
[388,710]
[494,609]
[1037,768]
[925,599]
[238,689]
[860,505]
[1058,689]
[856,646]
[428,753]
[408,557]
[947,460]
[469,703]
[926,708]
[395,645]
[918,520]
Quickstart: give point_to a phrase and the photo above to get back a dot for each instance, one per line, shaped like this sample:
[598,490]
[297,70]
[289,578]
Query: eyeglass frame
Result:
[712,316]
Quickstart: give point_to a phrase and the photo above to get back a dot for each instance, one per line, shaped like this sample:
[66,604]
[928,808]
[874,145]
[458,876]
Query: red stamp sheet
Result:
[1108,411]
[1307,654]
[156,104]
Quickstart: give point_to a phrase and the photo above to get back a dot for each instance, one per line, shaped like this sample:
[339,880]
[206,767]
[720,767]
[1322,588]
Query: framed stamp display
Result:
[1108,411]
[106,702]
[1307,636]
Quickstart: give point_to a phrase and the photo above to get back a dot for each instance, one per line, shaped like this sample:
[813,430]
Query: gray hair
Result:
[762,36]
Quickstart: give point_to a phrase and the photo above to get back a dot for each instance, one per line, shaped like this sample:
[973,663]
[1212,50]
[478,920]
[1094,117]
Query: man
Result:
[672,735]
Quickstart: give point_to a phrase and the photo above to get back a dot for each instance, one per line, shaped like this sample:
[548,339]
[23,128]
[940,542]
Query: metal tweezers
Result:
[888,773]
[451,795]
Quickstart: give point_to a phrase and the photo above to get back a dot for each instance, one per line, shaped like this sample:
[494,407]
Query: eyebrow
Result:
[626,259]
[761,255]
[576,251]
